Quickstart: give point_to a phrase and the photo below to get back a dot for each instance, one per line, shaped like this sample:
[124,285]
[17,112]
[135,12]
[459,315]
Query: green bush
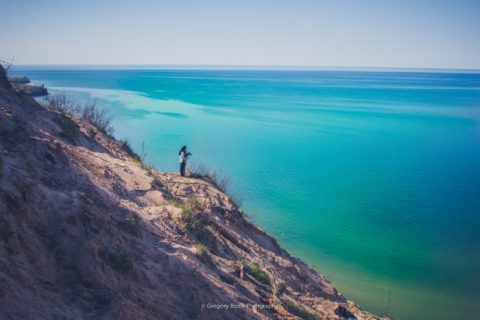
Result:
[298,310]
[191,219]
[195,222]
[258,273]
[201,250]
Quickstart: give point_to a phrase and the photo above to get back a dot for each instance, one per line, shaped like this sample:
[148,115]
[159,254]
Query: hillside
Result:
[89,232]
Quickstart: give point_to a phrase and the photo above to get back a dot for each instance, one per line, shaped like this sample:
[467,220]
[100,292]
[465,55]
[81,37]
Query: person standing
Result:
[182,158]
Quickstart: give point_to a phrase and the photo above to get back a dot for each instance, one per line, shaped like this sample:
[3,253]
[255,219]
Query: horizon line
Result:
[245,67]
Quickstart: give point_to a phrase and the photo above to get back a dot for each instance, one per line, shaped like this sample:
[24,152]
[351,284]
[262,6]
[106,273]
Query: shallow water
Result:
[373,178]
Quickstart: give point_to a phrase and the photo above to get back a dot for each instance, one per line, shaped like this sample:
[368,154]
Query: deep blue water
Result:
[373,178]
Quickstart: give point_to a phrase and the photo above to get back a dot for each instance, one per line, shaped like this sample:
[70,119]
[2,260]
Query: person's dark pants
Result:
[182,168]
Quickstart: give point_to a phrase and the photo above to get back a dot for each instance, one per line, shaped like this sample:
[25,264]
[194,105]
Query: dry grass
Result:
[140,159]
[88,111]
[214,176]
[99,117]
[191,218]
[63,103]
[298,310]
[201,250]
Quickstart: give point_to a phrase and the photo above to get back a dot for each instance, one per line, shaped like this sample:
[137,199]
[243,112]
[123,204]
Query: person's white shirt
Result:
[181,157]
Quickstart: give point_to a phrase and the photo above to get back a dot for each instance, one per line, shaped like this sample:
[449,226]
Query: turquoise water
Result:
[373,178]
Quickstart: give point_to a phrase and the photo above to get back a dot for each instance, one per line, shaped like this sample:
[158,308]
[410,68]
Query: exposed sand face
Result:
[87,232]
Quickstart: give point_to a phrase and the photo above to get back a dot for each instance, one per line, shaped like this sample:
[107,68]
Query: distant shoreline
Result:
[187,67]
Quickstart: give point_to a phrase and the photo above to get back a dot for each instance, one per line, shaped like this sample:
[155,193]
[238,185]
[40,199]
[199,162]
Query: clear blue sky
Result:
[382,33]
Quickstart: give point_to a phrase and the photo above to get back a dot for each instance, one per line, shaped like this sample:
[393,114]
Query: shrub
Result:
[191,219]
[174,201]
[194,221]
[127,147]
[99,117]
[88,111]
[201,250]
[298,310]
[257,272]
[61,102]
[141,158]
[214,176]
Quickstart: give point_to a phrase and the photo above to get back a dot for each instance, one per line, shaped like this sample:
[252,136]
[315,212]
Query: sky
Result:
[356,33]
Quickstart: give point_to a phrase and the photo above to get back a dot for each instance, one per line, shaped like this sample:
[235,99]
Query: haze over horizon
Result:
[326,34]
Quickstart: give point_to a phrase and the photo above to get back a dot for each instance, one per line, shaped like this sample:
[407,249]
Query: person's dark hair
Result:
[183,149]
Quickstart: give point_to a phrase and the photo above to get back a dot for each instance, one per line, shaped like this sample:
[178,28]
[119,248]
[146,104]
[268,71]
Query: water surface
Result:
[373,178]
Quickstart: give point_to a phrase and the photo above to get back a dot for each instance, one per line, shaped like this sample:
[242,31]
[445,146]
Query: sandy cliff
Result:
[87,232]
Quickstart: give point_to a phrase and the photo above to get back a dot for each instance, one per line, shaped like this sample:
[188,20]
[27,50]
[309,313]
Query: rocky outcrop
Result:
[22,84]
[89,232]
[19,80]
[32,89]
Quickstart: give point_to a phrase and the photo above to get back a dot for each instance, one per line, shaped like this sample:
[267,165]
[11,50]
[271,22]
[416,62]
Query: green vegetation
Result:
[258,273]
[174,202]
[194,221]
[201,250]
[298,310]
[191,219]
